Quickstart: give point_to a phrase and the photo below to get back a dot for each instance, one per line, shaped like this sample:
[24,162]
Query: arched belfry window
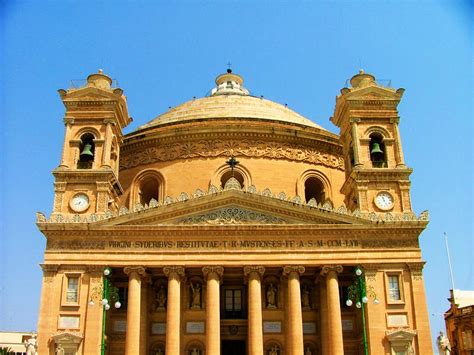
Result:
[86,152]
[314,188]
[378,154]
[148,190]
[146,187]
[228,174]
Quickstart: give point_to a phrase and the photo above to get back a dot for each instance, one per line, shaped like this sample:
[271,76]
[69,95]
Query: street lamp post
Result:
[359,293]
[106,294]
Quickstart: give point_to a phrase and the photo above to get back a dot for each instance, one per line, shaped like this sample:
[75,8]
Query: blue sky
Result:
[299,53]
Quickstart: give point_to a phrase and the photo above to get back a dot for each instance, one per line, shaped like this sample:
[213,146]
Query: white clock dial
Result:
[384,200]
[79,202]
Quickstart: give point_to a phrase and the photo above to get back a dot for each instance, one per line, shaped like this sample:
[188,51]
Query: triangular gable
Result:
[233,207]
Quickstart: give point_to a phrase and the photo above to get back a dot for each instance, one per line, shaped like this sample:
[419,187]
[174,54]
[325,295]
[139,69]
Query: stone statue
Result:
[305,299]
[30,345]
[59,350]
[159,352]
[444,346]
[308,352]
[271,296]
[275,350]
[195,351]
[196,296]
[160,298]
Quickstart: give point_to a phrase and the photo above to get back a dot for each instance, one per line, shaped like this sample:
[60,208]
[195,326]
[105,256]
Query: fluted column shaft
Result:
[295,317]
[255,333]
[400,160]
[173,309]
[355,142]
[132,337]
[213,275]
[324,318]
[336,343]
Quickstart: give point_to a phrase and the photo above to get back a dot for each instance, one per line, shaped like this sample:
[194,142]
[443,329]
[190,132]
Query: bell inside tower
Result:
[377,151]
[87,149]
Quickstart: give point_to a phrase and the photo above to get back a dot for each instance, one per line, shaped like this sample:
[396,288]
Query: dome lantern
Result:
[229,84]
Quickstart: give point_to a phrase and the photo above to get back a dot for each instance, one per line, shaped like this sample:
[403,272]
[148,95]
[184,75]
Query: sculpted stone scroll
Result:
[139,270]
[328,268]
[210,271]
[176,272]
[287,270]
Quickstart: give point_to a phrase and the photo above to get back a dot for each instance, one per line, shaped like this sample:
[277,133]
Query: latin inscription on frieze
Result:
[229,245]
[208,244]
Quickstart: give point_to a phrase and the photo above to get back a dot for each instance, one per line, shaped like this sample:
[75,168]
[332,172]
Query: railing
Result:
[79,83]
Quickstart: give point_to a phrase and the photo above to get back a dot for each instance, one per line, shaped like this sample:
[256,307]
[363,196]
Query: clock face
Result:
[384,200]
[80,202]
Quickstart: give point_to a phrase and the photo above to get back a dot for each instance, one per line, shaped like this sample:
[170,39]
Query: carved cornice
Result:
[289,269]
[213,271]
[217,148]
[253,271]
[174,272]
[416,270]
[326,269]
[134,270]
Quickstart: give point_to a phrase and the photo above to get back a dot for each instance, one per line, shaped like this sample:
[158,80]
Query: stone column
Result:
[324,317]
[355,142]
[144,316]
[213,276]
[400,160]
[107,142]
[295,317]
[132,337]
[173,309]
[68,122]
[336,344]
[253,275]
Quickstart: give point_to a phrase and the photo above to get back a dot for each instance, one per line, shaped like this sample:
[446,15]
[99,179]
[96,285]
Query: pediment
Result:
[89,94]
[67,337]
[375,92]
[233,207]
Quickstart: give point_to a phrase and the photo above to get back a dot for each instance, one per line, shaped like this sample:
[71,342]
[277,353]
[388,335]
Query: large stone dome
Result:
[229,99]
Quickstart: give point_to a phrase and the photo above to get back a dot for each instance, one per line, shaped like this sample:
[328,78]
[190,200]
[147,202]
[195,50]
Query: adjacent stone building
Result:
[232,225]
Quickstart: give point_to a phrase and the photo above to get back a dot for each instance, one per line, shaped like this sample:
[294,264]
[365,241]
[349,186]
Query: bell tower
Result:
[377,179]
[86,181]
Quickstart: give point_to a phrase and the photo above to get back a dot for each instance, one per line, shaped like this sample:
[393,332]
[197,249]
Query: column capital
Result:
[328,268]
[416,270]
[288,269]
[354,120]
[49,269]
[139,270]
[174,272]
[370,271]
[248,270]
[68,121]
[395,120]
[209,270]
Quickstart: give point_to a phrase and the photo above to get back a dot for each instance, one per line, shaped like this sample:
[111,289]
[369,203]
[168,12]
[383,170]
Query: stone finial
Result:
[99,80]
[363,80]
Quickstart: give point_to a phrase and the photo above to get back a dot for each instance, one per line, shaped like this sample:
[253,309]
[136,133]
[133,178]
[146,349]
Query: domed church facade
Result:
[232,225]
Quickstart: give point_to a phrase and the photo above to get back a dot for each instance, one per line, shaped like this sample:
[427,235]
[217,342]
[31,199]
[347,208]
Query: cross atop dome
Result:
[229,84]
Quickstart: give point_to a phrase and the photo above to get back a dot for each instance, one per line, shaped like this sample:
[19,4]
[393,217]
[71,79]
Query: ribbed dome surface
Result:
[230,106]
